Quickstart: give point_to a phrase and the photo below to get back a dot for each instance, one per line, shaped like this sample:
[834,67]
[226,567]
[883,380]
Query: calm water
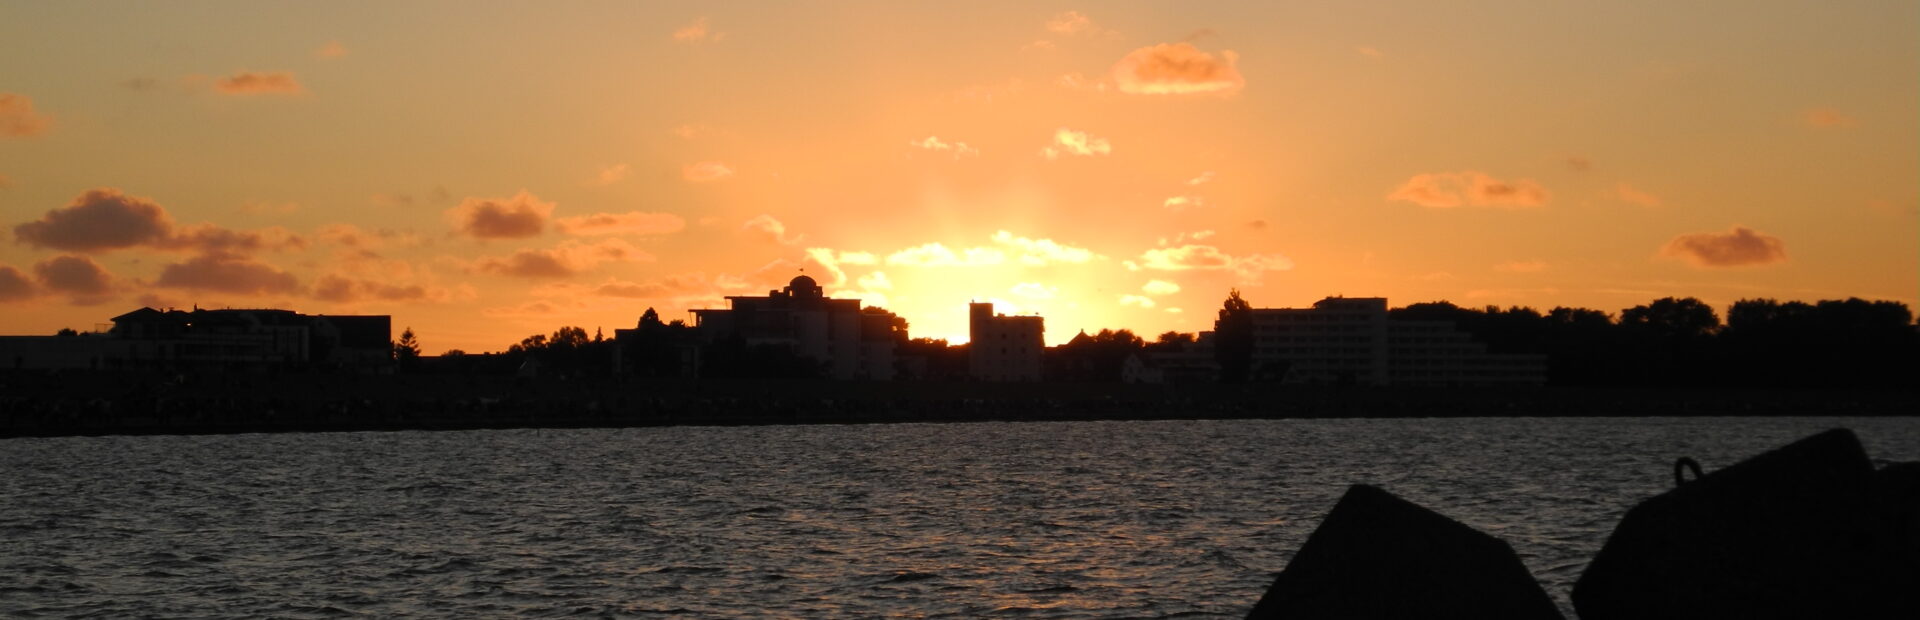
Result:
[1055,520]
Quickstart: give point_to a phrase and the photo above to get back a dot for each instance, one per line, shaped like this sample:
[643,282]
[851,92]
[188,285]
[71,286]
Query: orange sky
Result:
[487,172]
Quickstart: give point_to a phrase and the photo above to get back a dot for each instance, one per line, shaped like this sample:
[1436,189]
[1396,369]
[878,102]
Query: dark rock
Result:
[1379,556]
[1787,534]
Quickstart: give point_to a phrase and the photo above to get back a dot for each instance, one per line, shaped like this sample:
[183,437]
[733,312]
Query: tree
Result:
[1673,319]
[1233,339]
[407,349]
[1173,341]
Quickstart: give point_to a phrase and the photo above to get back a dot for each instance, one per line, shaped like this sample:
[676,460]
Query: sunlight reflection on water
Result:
[1054,520]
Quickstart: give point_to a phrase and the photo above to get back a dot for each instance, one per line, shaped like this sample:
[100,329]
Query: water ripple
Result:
[1041,520]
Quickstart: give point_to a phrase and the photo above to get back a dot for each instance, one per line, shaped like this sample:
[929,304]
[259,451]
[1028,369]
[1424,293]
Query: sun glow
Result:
[1117,165]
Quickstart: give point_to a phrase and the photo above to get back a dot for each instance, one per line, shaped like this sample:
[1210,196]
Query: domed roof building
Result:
[849,341]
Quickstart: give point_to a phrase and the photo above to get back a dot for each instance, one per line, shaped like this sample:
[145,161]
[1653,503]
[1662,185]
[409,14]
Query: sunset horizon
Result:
[485,173]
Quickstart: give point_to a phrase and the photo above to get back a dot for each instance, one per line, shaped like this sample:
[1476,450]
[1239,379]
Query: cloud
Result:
[1195,257]
[1160,287]
[828,261]
[141,84]
[569,258]
[1182,203]
[856,258]
[1177,69]
[524,215]
[1522,266]
[1828,118]
[819,263]
[1080,82]
[1476,189]
[696,32]
[14,286]
[939,255]
[5,182]
[1203,179]
[612,174]
[1069,142]
[668,288]
[1040,252]
[1370,52]
[83,281]
[259,83]
[770,229]
[17,118]
[629,223]
[1257,224]
[333,49]
[705,172]
[876,281]
[1577,163]
[1070,22]
[1034,290]
[350,236]
[211,238]
[227,273]
[934,143]
[1739,247]
[106,219]
[1629,194]
[1136,300]
[99,219]
[341,289]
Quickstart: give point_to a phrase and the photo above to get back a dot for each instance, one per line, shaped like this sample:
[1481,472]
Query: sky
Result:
[484,171]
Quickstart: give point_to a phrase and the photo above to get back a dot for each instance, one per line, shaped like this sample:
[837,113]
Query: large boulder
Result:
[1803,531]
[1379,556]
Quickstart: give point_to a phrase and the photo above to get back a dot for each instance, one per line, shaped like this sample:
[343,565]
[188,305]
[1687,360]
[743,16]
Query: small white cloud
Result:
[1069,23]
[1071,142]
[770,229]
[1136,300]
[1635,196]
[1160,287]
[1035,290]
[333,49]
[706,172]
[939,255]
[1182,203]
[612,174]
[697,32]
[1041,252]
[934,143]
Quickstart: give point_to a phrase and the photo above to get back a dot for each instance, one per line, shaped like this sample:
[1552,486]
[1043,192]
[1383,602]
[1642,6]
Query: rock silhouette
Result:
[1379,556]
[1808,530]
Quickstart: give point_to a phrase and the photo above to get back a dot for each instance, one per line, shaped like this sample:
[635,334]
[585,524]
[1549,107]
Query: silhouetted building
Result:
[1351,340]
[1001,347]
[256,338]
[1192,362]
[851,342]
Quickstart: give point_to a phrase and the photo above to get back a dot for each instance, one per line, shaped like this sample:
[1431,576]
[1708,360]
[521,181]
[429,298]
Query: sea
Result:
[1135,519]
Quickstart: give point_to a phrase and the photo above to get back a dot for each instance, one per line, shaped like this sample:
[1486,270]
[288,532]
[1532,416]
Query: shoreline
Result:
[105,404]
